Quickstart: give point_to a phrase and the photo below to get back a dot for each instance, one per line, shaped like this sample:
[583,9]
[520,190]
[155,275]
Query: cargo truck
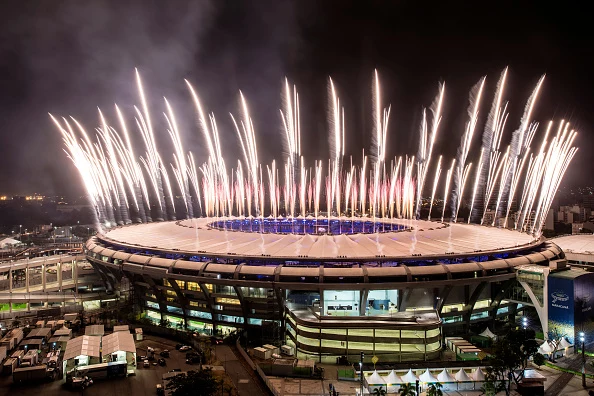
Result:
[35,373]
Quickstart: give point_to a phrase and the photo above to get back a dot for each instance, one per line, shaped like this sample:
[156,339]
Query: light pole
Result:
[583,340]
[525,326]
[21,232]
[361,371]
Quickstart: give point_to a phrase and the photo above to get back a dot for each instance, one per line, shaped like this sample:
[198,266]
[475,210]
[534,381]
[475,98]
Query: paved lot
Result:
[143,383]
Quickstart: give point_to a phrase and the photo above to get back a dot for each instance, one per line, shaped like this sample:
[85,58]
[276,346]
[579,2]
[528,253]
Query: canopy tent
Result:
[545,348]
[409,377]
[488,333]
[8,242]
[564,343]
[375,379]
[427,377]
[118,341]
[461,376]
[478,375]
[444,376]
[83,345]
[392,379]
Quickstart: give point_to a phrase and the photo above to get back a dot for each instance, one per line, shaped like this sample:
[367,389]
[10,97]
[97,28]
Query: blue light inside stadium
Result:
[306,226]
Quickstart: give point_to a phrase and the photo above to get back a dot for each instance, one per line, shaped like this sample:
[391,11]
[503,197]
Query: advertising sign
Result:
[584,304]
[561,305]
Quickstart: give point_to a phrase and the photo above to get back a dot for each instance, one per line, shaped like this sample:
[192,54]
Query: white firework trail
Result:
[434,189]
[446,192]
[426,144]
[122,185]
[473,110]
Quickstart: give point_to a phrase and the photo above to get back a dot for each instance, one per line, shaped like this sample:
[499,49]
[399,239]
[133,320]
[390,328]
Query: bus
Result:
[101,370]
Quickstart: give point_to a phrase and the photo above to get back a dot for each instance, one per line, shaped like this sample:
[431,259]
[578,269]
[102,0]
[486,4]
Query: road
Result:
[244,379]
[562,381]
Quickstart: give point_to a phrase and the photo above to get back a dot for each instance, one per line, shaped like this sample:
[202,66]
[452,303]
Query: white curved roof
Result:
[579,243]
[424,239]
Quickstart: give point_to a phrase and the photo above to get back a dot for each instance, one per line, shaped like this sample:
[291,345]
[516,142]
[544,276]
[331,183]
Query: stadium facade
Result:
[391,289]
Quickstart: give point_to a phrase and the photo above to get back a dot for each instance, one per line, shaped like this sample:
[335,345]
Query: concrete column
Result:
[75,276]
[10,278]
[43,277]
[59,273]
[27,278]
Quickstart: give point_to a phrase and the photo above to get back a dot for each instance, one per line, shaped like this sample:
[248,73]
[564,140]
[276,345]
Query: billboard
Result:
[584,304]
[561,305]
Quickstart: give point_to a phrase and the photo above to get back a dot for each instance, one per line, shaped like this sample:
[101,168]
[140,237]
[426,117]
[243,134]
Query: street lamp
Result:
[583,341]
[361,371]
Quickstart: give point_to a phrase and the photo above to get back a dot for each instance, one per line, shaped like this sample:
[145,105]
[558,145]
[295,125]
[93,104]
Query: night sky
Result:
[70,57]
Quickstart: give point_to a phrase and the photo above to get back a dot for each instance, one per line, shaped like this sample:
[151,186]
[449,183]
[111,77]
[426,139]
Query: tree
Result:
[435,389]
[407,390]
[539,359]
[555,336]
[509,360]
[379,391]
[165,323]
[188,384]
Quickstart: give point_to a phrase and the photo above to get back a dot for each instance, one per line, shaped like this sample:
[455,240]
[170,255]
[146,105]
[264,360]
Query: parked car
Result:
[146,364]
[164,353]
[140,358]
[162,362]
[193,359]
[185,348]
[175,370]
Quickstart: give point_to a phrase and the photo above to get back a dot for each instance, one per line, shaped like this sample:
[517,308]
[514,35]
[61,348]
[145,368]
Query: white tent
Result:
[461,376]
[8,242]
[488,333]
[409,377]
[427,377]
[375,379]
[392,379]
[545,348]
[444,376]
[478,375]
[564,343]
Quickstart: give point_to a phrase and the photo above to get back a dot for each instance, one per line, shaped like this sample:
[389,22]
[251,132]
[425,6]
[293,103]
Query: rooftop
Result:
[422,238]
[579,243]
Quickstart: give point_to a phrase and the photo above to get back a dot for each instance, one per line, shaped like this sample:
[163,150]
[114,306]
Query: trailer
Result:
[35,373]
[9,366]
[101,370]
[31,357]
[18,355]
[8,342]
[2,353]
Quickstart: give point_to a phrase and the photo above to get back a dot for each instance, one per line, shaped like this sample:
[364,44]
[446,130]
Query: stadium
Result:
[392,288]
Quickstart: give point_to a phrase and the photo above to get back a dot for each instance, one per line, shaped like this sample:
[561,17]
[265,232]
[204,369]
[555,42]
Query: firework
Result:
[125,186]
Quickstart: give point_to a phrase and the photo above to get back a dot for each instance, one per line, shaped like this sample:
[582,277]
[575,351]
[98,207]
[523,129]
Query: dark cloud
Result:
[68,57]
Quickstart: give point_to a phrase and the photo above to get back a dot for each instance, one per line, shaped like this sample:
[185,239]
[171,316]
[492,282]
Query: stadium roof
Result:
[424,238]
[579,243]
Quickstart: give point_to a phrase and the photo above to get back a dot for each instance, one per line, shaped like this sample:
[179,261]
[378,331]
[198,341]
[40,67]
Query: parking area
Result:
[143,383]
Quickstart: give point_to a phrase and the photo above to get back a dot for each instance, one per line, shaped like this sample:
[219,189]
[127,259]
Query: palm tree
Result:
[435,389]
[407,390]
[379,391]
